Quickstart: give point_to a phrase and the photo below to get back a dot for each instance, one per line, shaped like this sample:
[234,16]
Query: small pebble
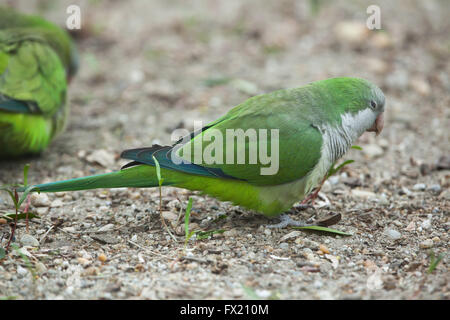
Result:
[40,200]
[41,210]
[83,261]
[405,190]
[29,240]
[102,157]
[419,187]
[313,245]
[411,226]
[324,249]
[169,215]
[426,244]
[333,179]
[290,235]
[373,151]
[40,267]
[21,271]
[351,32]
[3,221]
[445,195]
[107,227]
[436,188]
[363,193]
[56,203]
[393,234]
[426,224]
[91,271]
[231,233]
[398,223]
[102,257]
[284,246]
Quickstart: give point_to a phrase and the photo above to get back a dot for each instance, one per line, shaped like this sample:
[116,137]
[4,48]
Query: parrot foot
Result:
[287,221]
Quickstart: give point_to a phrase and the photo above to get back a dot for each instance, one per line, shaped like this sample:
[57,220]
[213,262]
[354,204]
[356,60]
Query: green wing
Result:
[280,110]
[33,84]
[32,73]
[53,35]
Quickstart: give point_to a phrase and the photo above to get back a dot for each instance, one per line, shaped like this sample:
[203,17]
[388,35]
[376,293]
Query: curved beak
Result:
[377,125]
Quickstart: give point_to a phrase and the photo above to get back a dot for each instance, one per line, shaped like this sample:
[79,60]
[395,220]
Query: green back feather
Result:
[36,57]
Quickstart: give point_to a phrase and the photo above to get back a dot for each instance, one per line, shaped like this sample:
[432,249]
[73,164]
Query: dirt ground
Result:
[149,67]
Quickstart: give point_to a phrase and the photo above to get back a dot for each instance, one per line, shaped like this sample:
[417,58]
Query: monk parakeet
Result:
[306,130]
[36,60]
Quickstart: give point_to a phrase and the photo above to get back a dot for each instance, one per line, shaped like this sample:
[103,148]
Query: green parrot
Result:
[37,59]
[310,128]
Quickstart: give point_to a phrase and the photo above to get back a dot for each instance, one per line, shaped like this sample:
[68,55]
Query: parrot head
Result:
[359,103]
[375,101]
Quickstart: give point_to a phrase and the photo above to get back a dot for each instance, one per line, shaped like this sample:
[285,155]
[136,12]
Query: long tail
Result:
[138,176]
[144,176]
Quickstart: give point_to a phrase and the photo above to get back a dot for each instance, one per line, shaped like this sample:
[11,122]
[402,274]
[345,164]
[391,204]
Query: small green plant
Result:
[17,201]
[160,182]
[206,234]
[434,261]
[187,234]
[335,169]
[28,263]
[200,235]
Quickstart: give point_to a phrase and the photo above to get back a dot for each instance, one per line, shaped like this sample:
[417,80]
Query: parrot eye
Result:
[373,104]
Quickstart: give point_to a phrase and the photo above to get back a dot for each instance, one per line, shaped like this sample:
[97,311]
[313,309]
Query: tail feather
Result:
[138,177]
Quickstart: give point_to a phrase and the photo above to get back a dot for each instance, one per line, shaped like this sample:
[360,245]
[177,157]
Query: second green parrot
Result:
[306,130]
[37,58]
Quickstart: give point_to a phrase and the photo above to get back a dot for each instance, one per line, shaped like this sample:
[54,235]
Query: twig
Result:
[45,234]
[16,196]
[27,207]
[148,250]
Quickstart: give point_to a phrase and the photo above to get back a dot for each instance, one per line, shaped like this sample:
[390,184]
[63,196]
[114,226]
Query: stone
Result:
[40,200]
[29,240]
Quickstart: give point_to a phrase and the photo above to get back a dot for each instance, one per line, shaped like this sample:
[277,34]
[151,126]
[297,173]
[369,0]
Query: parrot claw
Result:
[287,221]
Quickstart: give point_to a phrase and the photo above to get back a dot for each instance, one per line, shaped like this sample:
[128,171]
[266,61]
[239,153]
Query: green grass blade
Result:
[25,194]
[206,234]
[186,220]
[25,174]
[158,171]
[20,216]
[434,261]
[333,170]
